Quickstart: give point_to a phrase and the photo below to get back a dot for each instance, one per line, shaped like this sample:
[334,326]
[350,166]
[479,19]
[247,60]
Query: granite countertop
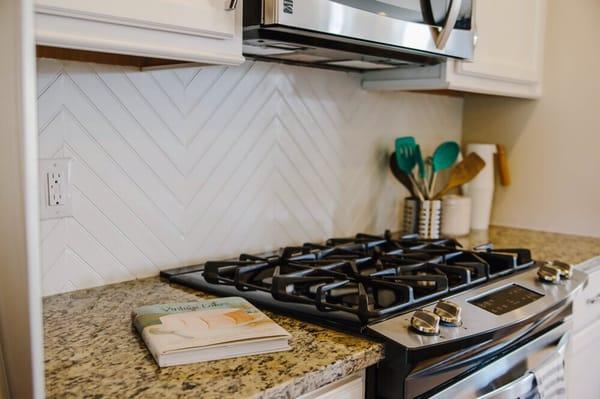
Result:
[544,246]
[91,349]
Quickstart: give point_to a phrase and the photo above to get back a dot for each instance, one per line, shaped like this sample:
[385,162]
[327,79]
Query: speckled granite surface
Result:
[91,349]
[543,246]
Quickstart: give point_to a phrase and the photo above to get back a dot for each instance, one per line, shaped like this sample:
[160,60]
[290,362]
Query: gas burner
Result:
[367,276]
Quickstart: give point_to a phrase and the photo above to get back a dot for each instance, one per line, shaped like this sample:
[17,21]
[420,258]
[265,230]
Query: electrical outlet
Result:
[55,190]
[56,185]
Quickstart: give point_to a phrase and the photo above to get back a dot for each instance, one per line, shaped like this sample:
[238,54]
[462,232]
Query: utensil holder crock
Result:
[410,222]
[430,218]
[422,217]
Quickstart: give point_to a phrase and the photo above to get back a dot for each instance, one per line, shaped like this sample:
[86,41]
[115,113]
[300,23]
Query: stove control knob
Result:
[449,312]
[565,270]
[549,273]
[425,322]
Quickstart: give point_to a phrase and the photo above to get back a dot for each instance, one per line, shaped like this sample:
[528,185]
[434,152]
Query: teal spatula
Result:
[444,156]
[421,168]
[406,158]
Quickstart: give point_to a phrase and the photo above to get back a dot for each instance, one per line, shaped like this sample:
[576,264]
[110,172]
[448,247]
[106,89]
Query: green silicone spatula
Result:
[421,168]
[404,141]
[406,158]
[444,156]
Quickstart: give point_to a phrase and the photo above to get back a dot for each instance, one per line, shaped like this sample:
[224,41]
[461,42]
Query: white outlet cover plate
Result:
[60,166]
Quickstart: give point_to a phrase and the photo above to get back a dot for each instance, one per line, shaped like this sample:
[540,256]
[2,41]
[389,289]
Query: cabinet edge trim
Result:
[55,39]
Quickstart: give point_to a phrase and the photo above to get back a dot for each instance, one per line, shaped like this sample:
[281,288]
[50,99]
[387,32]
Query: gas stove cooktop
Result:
[352,282]
[453,320]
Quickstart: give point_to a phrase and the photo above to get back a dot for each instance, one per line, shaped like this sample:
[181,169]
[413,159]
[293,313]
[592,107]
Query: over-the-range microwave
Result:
[359,35]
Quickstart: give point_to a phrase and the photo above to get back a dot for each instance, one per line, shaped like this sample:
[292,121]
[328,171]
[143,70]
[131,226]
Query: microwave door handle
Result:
[474,23]
[451,18]
[231,5]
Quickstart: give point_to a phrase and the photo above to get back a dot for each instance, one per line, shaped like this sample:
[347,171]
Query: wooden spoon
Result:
[463,172]
[502,165]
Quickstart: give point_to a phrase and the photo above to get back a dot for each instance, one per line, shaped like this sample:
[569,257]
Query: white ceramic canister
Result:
[481,188]
[456,215]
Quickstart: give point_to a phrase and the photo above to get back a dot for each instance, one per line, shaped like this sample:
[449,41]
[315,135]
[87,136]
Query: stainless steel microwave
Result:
[359,35]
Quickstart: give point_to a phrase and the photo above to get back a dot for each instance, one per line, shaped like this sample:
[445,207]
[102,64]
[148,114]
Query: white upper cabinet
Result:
[508,57]
[202,31]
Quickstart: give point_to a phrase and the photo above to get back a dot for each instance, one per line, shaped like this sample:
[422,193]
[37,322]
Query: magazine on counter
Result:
[182,333]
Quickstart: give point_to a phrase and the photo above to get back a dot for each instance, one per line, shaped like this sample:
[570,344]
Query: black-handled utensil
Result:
[401,176]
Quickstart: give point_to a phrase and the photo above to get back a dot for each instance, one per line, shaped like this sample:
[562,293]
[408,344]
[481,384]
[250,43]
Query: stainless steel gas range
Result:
[456,323]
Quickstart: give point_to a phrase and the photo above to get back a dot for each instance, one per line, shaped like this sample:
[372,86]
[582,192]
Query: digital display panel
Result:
[506,299]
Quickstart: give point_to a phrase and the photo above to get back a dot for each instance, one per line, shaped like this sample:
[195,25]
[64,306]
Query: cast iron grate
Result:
[367,275]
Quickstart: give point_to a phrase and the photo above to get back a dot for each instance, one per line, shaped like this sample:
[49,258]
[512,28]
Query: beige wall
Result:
[553,144]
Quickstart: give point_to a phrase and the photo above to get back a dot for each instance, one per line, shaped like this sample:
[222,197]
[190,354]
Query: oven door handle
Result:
[526,383]
[515,389]
[443,33]
[480,383]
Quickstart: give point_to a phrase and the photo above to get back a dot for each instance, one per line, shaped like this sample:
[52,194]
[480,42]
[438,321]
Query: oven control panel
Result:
[515,299]
[506,299]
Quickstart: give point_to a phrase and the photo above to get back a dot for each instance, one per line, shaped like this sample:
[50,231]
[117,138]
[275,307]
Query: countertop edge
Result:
[314,380]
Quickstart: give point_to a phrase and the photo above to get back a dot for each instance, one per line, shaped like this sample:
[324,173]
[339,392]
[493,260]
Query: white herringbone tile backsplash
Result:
[173,167]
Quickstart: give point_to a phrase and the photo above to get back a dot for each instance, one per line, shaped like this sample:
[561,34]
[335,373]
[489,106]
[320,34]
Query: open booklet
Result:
[182,333]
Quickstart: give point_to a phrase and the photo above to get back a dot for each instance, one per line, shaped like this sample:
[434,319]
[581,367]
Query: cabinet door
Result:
[205,18]
[586,306]
[584,350]
[509,50]
[508,58]
[582,373]
[197,31]
[352,387]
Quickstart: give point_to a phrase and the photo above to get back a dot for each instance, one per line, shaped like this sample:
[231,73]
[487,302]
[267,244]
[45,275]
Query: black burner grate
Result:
[368,276]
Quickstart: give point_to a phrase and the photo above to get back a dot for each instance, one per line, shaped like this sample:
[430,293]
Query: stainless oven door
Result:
[441,27]
[511,376]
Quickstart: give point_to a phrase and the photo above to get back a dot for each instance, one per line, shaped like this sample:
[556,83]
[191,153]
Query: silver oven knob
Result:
[565,269]
[425,322]
[553,271]
[449,312]
[549,273]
